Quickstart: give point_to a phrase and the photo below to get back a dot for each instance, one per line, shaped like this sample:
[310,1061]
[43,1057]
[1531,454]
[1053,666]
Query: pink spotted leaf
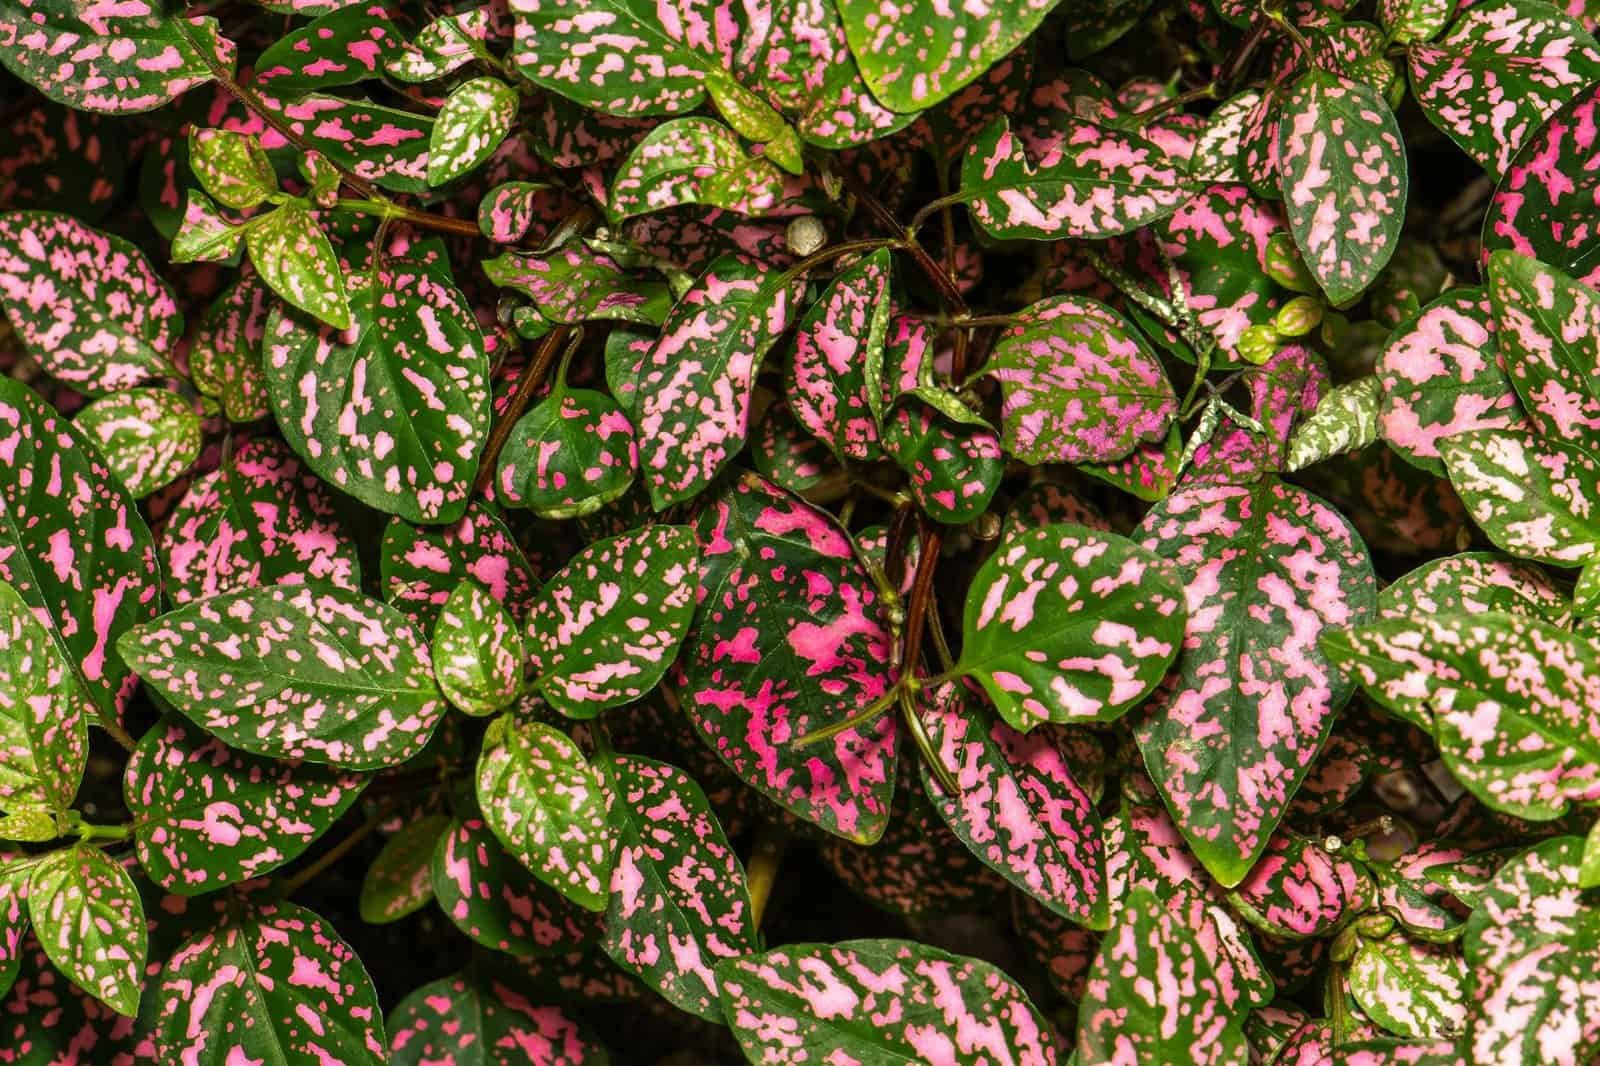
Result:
[400,880]
[225,349]
[1047,503]
[507,212]
[232,167]
[288,672]
[785,454]
[340,48]
[441,47]
[388,146]
[1298,889]
[477,651]
[837,341]
[45,713]
[1411,989]
[576,283]
[694,161]
[475,118]
[86,911]
[295,259]
[148,437]
[1549,329]
[1412,21]
[472,1018]
[420,566]
[1531,495]
[569,456]
[952,457]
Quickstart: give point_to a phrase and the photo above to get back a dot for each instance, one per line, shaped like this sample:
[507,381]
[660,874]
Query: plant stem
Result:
[88,831]
[906,235]
[930,755]
[109,723]
[544,357]
[1175,103]
[831,253]
[860,718]
[388,210]
[762,871]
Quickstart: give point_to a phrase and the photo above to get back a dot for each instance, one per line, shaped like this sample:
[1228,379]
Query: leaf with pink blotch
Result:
[225,350]
[1532,495]
[320,674]
[400,880]
[1415,990]
[1155,996]
[788,456]
[694,393]
[273,982]
[838,339]
[1342,166]
[1097,182]
[1425,909]
[260,519]
[387,146]
[127,58]
[694,160]
[1080,384]
[477,651]
[1297,889]
[1231,734]
[789,637]
[508,210]
[496,902]
[1503,68]
[45,713]
[679,903]
[1047,503]
[1020,809]
[951,456]
[472,1018]
[86,911]
[232,167]
[89,306]
[1066,624]
[393,410]
[342,47]
[78,550]
[441,47]
[149,437]
[879,1001]
[209,817]
[569,456]
[1413,21]
[1549,330]
[420,566]
[607,626]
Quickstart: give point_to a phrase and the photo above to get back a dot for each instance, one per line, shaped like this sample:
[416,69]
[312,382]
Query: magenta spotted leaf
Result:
[477,651]
[472,1019]
[209,817]
[387,146]
[272,983]
[509,210]
[1343,174]
[694,391]
[88,917]
[1096,181]
[951,455]
[421,566]
[694,161]
[1020,808]
[44,719]
[1297,889]
[575,283]
[569,456]
[1155,995]
[1533,496]
[400,880]
[838,340]
[496,902]
[88,305]
[606,628]
[1503,68]
[1265,569]
[259,520]
[1047,503]
[225,350]
[320,674]
[787,455]
[1080,384]
[879,1001]
[679,904]
[342,47]
[1549,326]
[76,547]
[148,437]
[392,411]
[294,257]
[1412,989]
[789,638]
[475,118]
[1067,624]
[232,166]
[442,46]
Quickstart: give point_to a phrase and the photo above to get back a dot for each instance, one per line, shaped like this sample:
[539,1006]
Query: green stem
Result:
[829,254]
[860,718]
[919,734]
[1202,367]
[90,831]
[931,206]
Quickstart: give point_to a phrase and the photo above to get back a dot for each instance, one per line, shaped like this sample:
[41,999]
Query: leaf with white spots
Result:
[838,340]
[1410,989]
[1342,166]
[420,566]
[679,903]
[1155,995]
[1503,68]
[694,391]
[441,47]
[1297,889]
[293,256]
[477,651]
[148,437]
[272,984]
[606,628]
[320,674]
[1096,182]
[225,350]
[394,410]
[951,455]
[1080,384]
[1265,570]
[475,118]
[472,1019]
[1346,420]
[569,456]
[232,166]
[1549,329]
[879,1002]
[44,717]
[72,543]
[342,47]
[1067,624]
[400,880]
[550,808]
[496,902]
[694,161]
[207,817]
[87,914]
[1020,809]
[89,306]
[1534,496]
[790,637]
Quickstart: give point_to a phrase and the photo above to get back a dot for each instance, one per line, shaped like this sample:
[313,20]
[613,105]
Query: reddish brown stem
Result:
[528,384]
[949,292]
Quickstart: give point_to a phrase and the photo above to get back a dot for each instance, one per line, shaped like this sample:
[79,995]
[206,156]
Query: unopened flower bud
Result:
[805,235]
[1284,265]
[1258,344]
[1298,317]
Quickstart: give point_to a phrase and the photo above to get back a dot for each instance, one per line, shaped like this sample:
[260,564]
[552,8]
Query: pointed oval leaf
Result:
[785,454]
[951,456]
[477,651]
[1066,624]
[342,47]
[442,46]
[421,566]
[1412,989]
[1534,496]
[694,161]
[44,715]
[225,351]
[838,339]
[232,166]
[569,456]
[148,437]
[319,674]
[474,1020]
[575,283]
[1473,582]
[400,880]
[86,911]
[1346,420]
[507,212]
[1550,332]
[1298,890]
[388,146]
[295,259]
[475,118]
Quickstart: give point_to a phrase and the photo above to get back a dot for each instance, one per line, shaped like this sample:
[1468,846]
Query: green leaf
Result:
[1589,865]
[44,719]
[420,566]
[442,46]
[394,411]
[550,808]
[90,921]
[207,817]
[951,455]
[205,234]
[232,166]
[607,627]
[148,437]
[475,118]
[1409,21]
[472,1019]
[575,283]
[225,350]
[694,161]
[569,456]
[1346,420]
[477,651]
[400,880]
[1066,624]
[321,674]
[293,256]
[1532,495]
[1342,169]
[273,984]
[1549,334]
[878,1002]
[342,47]
[1410,989]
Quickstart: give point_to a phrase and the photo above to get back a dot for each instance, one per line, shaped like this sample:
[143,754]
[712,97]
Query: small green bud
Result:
[1298,317]
[1284,265]
[1334,328]
[805,235]
[1258,344]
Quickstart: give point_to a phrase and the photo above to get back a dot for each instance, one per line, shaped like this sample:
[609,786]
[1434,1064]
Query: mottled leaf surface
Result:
[1550,336]
[421,566]
[88,917]
[1534,496]
[694,161]
[44,716]
[569,456]
[838,339]
[477,651]
[148,437]
[400,880]
[496,902]
[1298,889]
[474,1020]
[1415,990]
[475,118]
[296,260]
[952,456]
